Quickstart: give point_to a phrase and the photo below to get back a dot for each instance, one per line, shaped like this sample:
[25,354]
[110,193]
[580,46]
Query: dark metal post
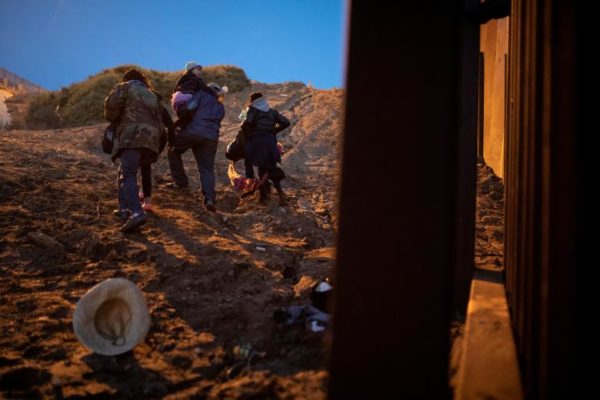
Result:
[481,107]
[466,157]
[398,202]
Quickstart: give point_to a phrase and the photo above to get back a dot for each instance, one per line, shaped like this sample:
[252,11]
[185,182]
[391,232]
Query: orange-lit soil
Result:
[207,286]
[489,239]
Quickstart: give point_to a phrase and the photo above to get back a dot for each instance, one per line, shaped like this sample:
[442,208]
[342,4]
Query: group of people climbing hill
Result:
[143,127]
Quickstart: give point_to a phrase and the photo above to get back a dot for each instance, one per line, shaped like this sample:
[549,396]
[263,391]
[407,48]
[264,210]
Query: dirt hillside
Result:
[489,239]
[5,118]
[212,281]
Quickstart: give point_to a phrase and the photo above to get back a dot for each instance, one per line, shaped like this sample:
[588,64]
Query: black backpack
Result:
[235,150]
[108,139]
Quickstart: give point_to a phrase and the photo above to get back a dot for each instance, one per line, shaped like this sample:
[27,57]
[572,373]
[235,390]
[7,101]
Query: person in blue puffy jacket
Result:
[201,135]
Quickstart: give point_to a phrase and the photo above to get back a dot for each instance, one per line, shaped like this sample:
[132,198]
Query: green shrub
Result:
[41,112]
[82,103]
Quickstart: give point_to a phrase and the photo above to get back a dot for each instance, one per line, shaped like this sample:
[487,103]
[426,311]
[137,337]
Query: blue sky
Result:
[57,42]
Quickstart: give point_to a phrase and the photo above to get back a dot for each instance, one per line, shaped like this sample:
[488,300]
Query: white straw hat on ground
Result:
[112,317]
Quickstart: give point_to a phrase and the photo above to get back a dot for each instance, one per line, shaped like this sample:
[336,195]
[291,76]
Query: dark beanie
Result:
[255,95]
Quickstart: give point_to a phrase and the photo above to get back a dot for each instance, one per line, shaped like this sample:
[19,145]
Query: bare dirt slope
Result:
[208,286]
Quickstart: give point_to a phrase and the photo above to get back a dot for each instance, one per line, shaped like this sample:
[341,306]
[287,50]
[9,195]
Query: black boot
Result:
[265,193]
[123,215]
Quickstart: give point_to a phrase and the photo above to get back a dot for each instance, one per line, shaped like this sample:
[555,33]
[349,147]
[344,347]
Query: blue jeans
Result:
[127,187]
[204,151]
[147,180]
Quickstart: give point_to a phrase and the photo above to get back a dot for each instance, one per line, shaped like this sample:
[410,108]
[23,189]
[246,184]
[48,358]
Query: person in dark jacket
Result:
[136,112]
[202,136]
[260,128]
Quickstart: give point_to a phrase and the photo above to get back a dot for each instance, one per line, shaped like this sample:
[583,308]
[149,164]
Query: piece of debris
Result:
[46,242]
[246,352]
[248,357]
[314,317]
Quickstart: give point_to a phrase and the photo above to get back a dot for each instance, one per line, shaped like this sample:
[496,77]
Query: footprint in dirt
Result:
[43,353]
[24,379]
[8,362]
[60,312]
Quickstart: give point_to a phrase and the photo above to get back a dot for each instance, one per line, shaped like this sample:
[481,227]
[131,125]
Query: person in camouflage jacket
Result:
[136,112]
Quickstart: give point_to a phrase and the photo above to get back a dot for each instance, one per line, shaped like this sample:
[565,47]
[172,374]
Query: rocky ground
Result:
[489,238]
[212,281]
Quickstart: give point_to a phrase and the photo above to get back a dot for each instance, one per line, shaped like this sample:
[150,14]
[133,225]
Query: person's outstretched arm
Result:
[281,122]
[168,123]
[247,124]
